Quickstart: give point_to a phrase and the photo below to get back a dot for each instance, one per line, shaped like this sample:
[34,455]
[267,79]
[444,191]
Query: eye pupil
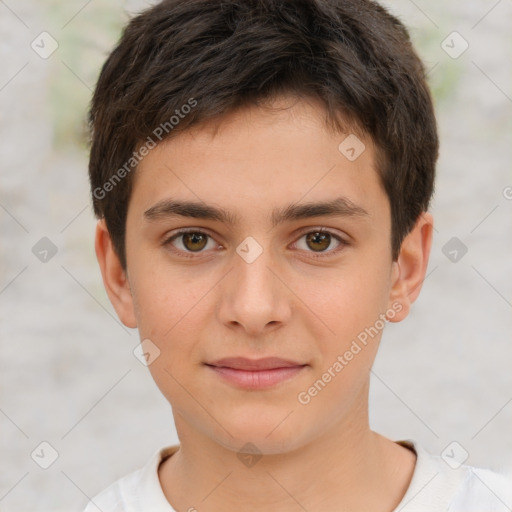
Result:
[194,241]
[321,240]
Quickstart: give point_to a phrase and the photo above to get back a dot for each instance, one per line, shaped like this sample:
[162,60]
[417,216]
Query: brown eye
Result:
[194,241]
[189,242]
[318,241]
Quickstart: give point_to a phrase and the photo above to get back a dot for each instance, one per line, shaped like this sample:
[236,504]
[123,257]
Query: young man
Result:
[262,171]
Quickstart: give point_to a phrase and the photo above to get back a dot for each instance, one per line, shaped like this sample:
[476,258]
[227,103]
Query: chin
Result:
[268,435]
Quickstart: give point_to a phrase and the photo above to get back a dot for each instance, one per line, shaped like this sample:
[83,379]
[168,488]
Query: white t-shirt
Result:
[435,486]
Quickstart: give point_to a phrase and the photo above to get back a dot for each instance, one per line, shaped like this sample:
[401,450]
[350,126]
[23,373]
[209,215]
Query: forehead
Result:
[261,159]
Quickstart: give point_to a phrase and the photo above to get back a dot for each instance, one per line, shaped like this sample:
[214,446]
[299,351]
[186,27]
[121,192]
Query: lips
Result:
[243,363]
[255,373]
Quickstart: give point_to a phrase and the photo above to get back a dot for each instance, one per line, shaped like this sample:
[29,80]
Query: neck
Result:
[349,467]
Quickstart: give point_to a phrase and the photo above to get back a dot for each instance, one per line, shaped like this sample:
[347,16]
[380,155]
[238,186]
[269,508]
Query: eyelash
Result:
[317,255]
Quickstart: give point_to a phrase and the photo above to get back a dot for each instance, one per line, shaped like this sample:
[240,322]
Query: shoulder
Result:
[483,490]
[136,492]
[441,483]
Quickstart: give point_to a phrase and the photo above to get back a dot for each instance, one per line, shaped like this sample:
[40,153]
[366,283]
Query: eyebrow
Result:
[340,206]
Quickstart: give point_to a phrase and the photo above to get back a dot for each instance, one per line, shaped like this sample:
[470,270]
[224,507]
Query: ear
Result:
[410,268]
[114,276]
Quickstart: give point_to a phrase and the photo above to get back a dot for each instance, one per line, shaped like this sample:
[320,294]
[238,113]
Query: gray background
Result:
[68,375]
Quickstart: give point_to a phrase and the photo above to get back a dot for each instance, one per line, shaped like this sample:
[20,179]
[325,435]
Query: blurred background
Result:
[68,375]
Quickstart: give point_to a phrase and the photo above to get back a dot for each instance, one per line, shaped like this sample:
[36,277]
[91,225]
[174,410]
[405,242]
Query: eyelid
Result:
[322,229]
[343,241]
[302,232]
[168,239]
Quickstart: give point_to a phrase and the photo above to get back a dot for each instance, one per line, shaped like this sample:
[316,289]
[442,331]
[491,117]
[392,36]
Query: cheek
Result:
[351,306]
[172,315]
[164,299]
[174,311]
[348,300]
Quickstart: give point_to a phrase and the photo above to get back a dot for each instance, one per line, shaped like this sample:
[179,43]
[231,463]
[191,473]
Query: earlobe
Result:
[114,276]
[410,269]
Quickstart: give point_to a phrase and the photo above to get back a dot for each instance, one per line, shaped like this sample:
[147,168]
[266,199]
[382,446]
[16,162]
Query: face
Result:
[259,264]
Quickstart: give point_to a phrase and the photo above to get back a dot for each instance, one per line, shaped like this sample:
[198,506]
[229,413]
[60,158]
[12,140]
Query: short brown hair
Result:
[216,56]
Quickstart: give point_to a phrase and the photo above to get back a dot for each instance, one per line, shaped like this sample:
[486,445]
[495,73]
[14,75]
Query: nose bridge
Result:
[252,296]
[254,283]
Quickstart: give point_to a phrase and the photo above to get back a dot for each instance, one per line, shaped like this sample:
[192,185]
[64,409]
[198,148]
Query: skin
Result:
[322,455]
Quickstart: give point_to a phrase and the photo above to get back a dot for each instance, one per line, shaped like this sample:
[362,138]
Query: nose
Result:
[253,299]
